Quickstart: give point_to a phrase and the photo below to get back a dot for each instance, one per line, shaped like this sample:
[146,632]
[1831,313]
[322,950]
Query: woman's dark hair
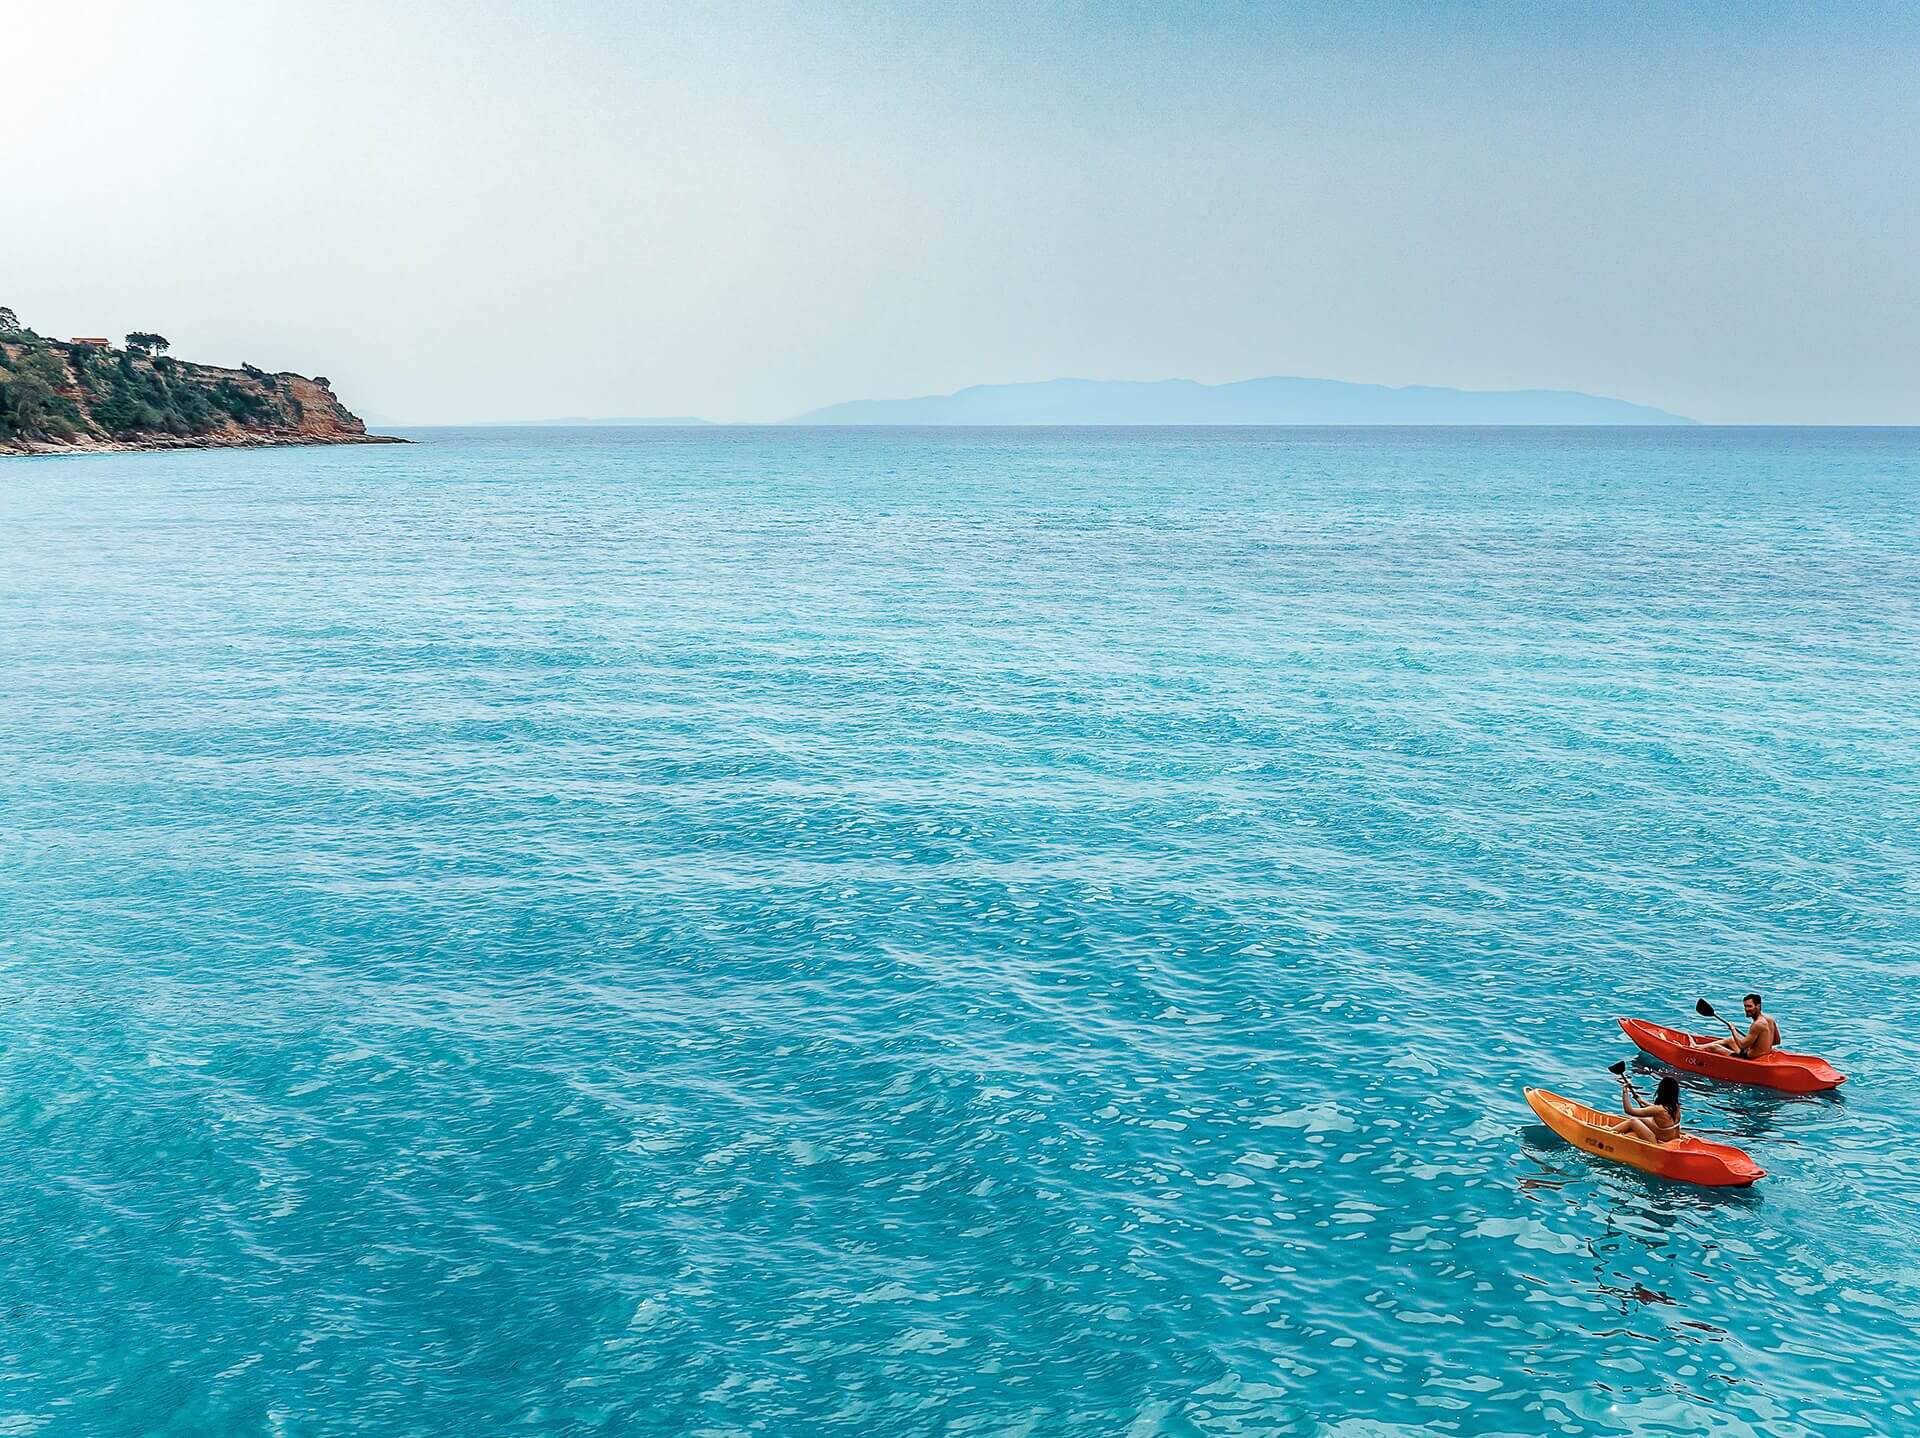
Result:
[1668,1096]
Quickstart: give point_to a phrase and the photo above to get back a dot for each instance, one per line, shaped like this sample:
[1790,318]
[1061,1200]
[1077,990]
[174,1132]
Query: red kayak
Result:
[1688,1159]
[1791,1073]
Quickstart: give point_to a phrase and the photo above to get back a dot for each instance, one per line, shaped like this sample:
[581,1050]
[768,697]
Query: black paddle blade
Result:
[1619,1068]
[1704,1009]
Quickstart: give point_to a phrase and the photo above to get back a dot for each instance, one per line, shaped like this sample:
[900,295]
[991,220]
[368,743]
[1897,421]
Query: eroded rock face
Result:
[57,398]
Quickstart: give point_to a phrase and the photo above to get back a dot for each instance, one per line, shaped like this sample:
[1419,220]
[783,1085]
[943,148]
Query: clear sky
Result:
[474,209]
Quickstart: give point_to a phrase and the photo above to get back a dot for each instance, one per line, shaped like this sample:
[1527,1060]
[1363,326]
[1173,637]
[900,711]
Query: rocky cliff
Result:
[60,398]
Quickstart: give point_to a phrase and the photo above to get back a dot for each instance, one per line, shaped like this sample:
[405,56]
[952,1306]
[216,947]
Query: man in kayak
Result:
[1763,1035]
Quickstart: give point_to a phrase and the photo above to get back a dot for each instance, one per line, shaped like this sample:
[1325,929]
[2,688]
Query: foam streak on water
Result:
[977,933]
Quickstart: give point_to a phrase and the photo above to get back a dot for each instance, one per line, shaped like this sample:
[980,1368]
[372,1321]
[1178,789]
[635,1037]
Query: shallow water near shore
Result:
[976,932]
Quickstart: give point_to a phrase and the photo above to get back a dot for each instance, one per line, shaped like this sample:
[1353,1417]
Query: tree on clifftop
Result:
[8,319]
[140,342]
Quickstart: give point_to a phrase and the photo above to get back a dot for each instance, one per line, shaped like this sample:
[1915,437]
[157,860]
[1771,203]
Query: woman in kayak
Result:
[1656,1122]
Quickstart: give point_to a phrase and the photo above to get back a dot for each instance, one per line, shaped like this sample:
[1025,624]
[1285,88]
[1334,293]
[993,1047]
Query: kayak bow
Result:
[1687,1159]
[1791,1073]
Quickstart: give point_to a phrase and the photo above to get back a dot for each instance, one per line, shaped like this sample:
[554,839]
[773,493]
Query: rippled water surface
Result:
[980,933]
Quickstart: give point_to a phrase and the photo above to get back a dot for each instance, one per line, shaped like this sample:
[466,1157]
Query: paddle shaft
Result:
[1619,1071]
[1735,1033]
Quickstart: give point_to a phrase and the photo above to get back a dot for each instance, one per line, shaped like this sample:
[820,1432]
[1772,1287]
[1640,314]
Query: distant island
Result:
[1277,400]
[86,394]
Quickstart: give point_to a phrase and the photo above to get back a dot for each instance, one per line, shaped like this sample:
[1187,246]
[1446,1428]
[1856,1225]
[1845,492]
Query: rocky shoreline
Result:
[154,443]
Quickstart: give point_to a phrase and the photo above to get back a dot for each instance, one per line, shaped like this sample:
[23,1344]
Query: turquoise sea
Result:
[951,932]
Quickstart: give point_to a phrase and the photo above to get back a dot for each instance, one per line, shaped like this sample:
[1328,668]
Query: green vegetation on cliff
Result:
[55,394]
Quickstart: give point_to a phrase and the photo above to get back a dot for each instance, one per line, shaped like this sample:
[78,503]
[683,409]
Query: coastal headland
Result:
[88,395]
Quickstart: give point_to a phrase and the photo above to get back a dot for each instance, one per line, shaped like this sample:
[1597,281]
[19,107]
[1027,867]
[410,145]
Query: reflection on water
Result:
[1639,1293]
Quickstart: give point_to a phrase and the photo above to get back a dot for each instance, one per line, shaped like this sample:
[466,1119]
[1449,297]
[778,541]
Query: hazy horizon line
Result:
[779,424]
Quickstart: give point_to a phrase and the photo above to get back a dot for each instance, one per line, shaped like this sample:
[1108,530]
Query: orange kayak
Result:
[1688,1159]
[1792,1073]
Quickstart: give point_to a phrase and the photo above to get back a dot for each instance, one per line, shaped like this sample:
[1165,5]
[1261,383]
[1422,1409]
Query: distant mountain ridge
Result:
[1278,400]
